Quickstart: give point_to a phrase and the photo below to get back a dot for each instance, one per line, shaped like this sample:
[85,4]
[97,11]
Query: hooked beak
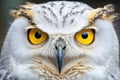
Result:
[60,55]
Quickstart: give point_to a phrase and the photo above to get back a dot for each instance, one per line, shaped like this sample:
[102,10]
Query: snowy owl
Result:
[61,40]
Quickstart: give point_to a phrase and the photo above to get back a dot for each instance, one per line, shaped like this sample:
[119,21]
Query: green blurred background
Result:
[6,5]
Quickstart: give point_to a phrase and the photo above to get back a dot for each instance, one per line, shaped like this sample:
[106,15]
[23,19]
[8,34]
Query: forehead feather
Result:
[62,17]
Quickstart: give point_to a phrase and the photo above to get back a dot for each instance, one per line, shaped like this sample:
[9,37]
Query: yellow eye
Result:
[36,36]
[86,36]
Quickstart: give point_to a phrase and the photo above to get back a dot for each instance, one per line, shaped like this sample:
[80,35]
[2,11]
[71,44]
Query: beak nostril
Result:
[56,47]
[60,43]
[64,47]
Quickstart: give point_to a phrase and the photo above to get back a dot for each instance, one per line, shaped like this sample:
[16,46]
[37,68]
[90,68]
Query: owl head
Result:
[61,40]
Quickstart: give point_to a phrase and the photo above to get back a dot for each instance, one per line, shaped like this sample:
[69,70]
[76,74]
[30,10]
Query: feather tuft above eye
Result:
[24,10]
[105,13]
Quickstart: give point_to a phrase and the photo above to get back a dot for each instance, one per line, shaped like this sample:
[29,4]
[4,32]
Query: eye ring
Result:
[85,36]
[36,36]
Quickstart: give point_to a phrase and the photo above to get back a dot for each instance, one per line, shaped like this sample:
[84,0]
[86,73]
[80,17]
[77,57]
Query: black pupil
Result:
[38,35]
[84,35]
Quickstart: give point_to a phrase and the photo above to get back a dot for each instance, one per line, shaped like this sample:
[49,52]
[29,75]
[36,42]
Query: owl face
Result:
[59,38]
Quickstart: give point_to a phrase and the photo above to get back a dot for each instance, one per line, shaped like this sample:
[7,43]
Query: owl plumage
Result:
[61,40]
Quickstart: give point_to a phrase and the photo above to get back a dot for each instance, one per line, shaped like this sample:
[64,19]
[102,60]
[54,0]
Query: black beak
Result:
[60,55]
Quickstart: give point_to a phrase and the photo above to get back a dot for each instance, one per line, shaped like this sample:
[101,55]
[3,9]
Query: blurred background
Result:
[7,5]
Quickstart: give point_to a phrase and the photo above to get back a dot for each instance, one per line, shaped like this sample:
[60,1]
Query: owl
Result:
[61,40]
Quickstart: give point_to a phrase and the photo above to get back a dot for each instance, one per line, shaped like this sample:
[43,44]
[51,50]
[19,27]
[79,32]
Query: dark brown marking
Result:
[26,16]
[32,23]
[61,9]
[112,76]
[71,21]
[6,75]
[52,4]
[47,19]
[51,11]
